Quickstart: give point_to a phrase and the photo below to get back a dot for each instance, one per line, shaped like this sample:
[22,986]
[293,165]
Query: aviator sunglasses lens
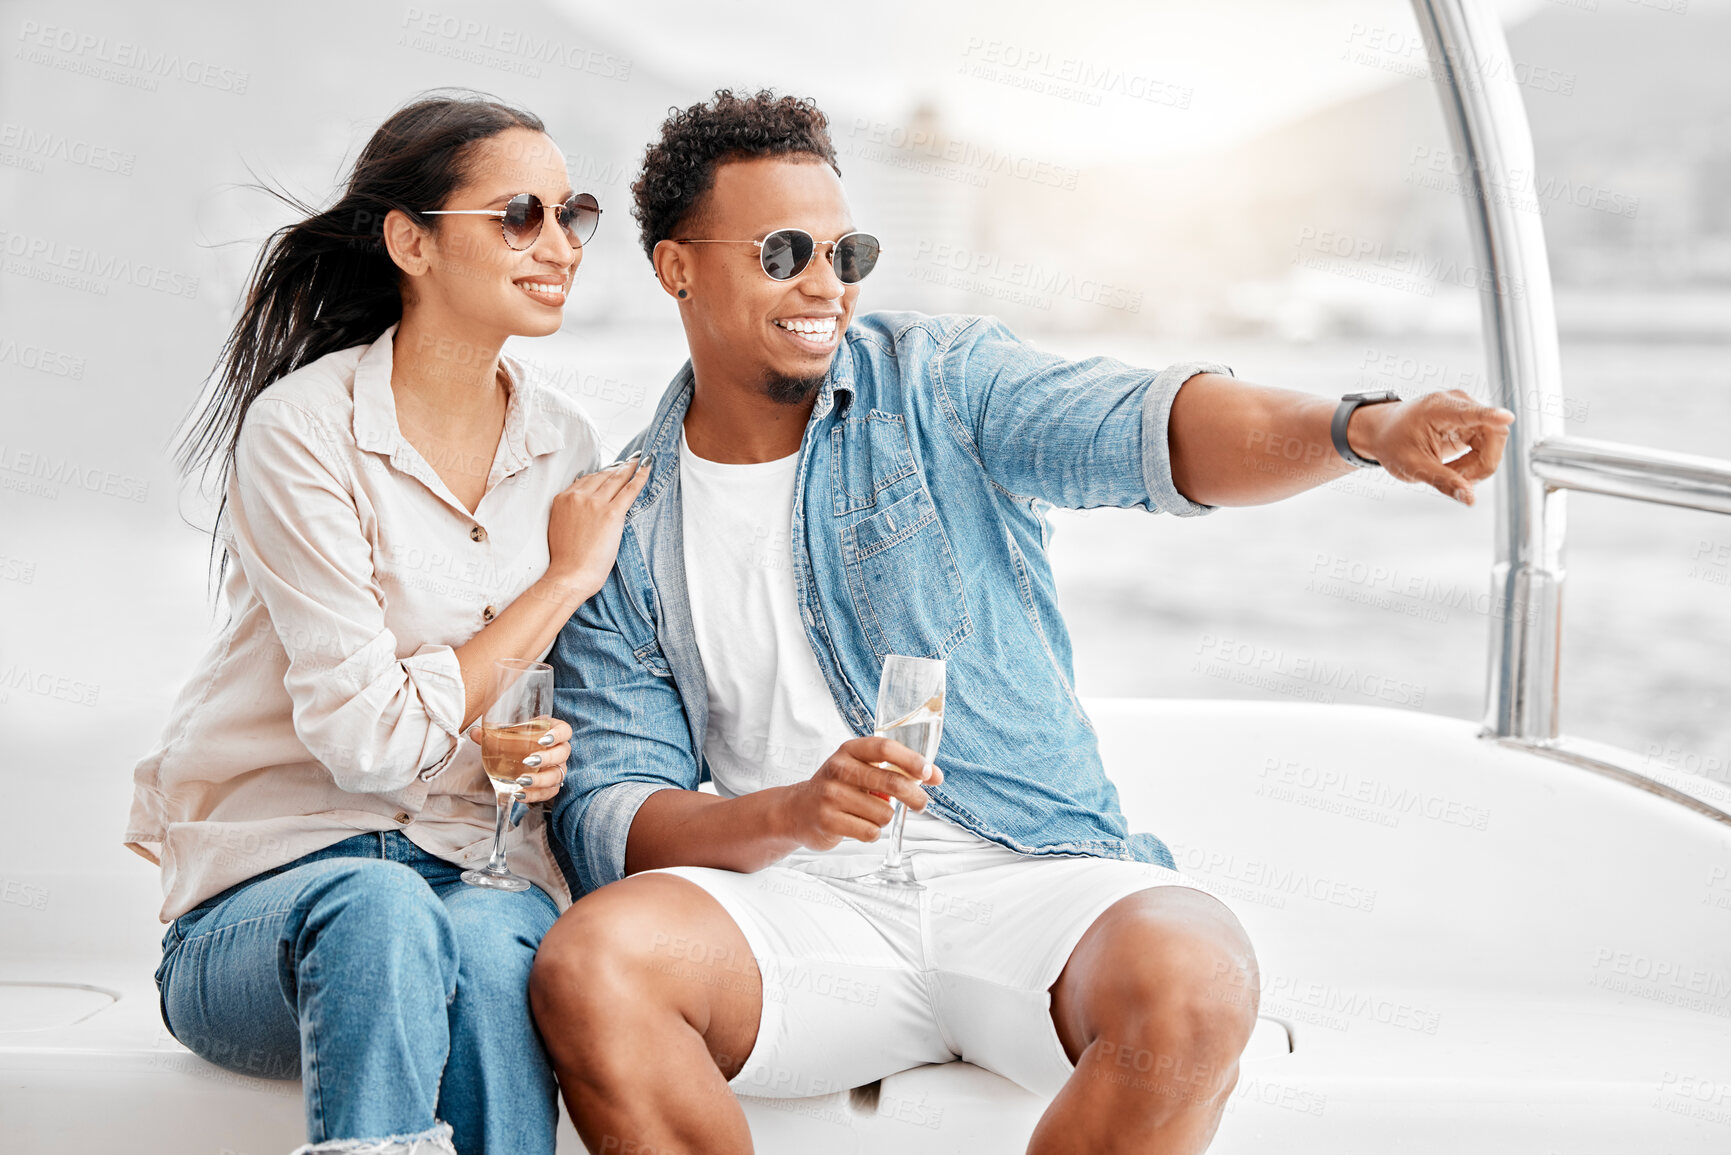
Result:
[856,255]
[786,253]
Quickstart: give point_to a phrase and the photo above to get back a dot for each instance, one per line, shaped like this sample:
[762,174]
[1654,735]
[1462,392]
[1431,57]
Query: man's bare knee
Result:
[1171,965]
[650,947]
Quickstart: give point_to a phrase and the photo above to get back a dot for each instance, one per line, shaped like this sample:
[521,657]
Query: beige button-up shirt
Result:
[331,703]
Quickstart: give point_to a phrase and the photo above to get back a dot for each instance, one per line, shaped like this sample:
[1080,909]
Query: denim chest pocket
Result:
[868,455]
[901,573]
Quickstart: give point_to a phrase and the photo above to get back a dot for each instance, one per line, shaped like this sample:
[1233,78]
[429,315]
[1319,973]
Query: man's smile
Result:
[814,333]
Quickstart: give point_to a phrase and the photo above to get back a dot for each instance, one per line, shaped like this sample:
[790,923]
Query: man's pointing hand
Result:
[1423,440]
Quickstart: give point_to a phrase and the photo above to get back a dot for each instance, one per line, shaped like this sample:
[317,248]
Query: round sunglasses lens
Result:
[856,255]
[580,215]
[786,254]
[522,221]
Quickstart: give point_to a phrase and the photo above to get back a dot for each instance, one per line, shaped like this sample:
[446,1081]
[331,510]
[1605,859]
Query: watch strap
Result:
[1343,414]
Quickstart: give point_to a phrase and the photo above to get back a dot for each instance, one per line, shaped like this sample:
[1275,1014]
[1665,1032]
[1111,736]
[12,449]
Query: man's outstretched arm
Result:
[1234,443]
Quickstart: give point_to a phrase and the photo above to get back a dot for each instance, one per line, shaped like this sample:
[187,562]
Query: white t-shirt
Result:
[772,721]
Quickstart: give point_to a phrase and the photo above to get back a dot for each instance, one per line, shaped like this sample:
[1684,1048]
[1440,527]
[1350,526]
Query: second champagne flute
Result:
[519,714]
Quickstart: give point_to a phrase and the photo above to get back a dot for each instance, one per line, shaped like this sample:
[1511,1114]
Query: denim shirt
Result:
[932,453]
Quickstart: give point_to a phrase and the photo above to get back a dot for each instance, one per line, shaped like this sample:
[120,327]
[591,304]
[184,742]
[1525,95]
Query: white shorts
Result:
[860,981]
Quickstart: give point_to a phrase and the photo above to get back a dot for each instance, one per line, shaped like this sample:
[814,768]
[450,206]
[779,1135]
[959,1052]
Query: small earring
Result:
[682,293]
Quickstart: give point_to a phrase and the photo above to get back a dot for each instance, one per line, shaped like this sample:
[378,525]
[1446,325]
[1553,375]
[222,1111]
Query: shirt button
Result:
[402,816]
[477,534]
[488,613]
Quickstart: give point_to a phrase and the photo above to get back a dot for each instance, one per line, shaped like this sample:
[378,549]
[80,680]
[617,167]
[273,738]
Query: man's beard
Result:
[784,390]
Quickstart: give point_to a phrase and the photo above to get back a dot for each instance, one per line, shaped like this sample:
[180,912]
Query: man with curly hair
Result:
[830,488]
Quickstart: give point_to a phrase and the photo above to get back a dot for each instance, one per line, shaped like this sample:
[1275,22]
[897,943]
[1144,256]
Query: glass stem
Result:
[893,857]
[502,803]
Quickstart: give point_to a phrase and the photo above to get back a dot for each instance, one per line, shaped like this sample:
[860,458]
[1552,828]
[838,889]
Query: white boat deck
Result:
[1468,947]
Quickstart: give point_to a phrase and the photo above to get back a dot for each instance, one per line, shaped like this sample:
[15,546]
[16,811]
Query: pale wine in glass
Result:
[519,714]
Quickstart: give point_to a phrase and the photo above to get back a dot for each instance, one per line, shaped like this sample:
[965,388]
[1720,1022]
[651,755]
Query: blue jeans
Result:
[398,993]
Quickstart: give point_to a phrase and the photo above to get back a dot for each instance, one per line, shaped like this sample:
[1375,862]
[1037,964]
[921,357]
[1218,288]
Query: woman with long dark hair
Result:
[403,507]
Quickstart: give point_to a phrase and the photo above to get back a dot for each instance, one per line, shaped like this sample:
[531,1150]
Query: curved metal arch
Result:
[1481,100]
[1474,74]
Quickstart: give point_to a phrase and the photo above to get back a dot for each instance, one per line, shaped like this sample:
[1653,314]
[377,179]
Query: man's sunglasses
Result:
[785,253]
[524,214]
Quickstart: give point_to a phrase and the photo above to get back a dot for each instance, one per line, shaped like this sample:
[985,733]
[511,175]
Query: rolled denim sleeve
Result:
[372,719]
[1077,434]
[629,739]
[1156,436]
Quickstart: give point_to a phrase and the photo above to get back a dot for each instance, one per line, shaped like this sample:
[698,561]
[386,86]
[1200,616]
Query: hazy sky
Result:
[1144,77]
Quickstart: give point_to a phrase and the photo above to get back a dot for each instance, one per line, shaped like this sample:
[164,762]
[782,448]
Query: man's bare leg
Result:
[1154,1007]
[648,1000]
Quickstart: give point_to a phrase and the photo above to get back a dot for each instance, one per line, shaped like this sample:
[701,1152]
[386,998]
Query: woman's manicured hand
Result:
[585,523]
[547,773]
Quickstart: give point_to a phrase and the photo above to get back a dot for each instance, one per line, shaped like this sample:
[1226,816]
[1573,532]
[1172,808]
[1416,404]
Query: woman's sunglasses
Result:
[524,214]
[785,253]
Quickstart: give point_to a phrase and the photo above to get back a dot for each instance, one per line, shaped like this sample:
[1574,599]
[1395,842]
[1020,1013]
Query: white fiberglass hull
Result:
[1463,947]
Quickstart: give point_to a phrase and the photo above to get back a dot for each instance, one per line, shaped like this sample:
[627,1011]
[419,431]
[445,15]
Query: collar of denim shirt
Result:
[660,438]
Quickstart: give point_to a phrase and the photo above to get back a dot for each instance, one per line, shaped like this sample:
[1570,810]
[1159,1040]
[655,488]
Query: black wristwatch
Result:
[1337,427]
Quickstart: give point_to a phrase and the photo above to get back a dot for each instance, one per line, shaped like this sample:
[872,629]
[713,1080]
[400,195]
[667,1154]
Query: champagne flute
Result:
[910,711]
[520,712]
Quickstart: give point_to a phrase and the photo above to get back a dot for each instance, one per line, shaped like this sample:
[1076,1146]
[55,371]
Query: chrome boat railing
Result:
[1475,78]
